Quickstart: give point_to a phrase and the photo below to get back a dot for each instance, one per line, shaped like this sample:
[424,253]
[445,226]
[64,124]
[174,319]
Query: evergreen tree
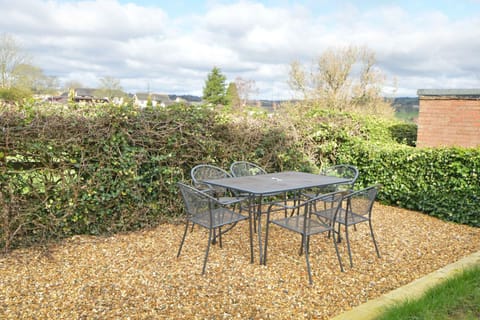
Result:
[214,91]
[232,95]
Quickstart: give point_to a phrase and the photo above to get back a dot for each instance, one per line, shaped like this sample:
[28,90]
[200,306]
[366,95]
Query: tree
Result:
[342,79]
[16,71]
[73,84]
[11,57]
[214,91]
[109,87]
[245,89]
[30,77]
[232,95]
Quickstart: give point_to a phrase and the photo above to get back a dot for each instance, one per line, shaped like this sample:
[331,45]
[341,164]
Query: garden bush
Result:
[101,169]
[443,182]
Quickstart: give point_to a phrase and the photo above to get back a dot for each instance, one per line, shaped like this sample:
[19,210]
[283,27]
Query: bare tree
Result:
[11,57]
[245,89]
[342,79]
[32,78]
[72,84]
[298,80]
[109,87]
[333,80]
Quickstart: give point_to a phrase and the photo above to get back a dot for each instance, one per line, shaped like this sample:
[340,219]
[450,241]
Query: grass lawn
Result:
[409,116]
[456,298]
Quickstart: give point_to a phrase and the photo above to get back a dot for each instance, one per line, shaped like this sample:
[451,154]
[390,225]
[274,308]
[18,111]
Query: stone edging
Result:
[415,289]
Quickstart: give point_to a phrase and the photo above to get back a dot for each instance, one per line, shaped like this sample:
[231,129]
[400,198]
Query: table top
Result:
[276,182]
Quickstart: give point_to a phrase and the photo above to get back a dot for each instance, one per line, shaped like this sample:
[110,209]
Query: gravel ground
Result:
[137,275]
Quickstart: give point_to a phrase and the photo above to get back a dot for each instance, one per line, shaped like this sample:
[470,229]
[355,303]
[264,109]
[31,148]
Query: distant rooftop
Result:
[449,92]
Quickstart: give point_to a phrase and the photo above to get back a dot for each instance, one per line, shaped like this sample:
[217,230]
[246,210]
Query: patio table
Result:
[258,186]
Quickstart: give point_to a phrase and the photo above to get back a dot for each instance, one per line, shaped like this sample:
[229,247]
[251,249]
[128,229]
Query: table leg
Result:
[259,228]
[250,222]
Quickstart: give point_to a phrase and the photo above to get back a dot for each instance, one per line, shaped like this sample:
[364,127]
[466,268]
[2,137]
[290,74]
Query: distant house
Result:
[449,117]
[78,95]
[87,95]
[142,98]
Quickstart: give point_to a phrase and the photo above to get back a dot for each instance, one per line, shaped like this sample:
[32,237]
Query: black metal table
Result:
[273,183]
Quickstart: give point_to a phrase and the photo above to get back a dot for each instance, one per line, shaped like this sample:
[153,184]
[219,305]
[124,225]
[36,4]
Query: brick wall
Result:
[452,120]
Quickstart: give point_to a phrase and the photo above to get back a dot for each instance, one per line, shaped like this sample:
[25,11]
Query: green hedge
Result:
[443,182]
[100,169]
[97,169]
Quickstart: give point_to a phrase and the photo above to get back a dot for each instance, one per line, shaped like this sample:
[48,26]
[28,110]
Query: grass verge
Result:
[457,298]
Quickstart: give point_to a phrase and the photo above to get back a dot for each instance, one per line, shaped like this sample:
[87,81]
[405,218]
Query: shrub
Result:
[441,182]
[14,94]
[100,169]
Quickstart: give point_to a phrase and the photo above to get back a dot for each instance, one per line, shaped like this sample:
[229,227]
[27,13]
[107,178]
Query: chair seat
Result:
[295,224]
[358,209]
[220,217]
[353,218]
[307,225]
[230,200]
[328,213]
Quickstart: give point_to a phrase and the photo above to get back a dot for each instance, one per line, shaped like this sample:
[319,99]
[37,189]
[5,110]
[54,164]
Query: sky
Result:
[170,46]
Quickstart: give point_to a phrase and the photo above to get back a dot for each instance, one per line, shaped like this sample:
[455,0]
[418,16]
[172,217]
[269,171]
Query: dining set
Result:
[299,202]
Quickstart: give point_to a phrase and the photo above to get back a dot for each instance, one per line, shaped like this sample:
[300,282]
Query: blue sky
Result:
[170,46]
[453,8]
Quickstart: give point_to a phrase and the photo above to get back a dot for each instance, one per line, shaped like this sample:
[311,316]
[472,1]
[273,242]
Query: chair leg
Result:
[373,238]
[338,253]
[183,239]
[300,251]
[348,246]
[220,236]
[251,236]
[214,240]
[338,232]
[210,233]
[307,260]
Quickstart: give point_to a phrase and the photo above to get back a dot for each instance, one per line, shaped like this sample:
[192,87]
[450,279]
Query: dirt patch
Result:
[137,275]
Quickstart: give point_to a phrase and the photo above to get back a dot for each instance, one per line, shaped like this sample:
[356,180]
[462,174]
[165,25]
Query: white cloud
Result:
[145,47]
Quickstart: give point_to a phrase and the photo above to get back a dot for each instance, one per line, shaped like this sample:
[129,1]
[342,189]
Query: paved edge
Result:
[373,308]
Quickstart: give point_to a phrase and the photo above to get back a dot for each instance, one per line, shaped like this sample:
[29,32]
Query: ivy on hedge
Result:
[96,169]
[443,182]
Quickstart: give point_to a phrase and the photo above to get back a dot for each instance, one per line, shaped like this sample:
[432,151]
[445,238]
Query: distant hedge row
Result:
[96,169]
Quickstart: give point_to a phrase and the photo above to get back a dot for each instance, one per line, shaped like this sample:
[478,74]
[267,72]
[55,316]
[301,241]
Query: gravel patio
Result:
[137,275]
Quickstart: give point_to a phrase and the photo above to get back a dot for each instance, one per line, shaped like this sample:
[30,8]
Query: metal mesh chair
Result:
[341,170]
[206,211]
[306,223]
[358,210]
[203,172]
[245,168]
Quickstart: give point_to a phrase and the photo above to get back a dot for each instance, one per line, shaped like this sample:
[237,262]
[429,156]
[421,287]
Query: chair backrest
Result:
[361,202]
[335,200]
[245,168]
[195,201]
[207,171]
[344,171]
